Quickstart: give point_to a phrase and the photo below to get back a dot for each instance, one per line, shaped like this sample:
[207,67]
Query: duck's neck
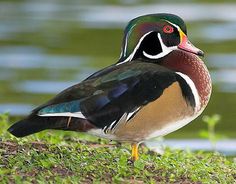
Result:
[192,66]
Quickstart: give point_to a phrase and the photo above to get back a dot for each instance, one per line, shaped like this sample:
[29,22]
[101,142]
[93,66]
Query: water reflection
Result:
[227,147]
[221,60]
[43,87]
[23,57]
[97,15]
[219,32]
[224,76]
[16,109]
[29,16]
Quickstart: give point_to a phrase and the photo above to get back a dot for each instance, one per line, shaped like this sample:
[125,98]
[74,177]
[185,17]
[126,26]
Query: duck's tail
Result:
[33,124]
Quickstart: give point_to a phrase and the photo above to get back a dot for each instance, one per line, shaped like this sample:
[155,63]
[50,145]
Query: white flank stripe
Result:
[108,129]
[65,114]
[112,124]
[121,121]
[193,89]
[131,114]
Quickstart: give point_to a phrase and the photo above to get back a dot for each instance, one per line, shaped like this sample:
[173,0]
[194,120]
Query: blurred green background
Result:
[48,45]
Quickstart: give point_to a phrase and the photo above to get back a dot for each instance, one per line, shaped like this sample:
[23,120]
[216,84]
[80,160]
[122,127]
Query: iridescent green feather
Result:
[73,106]
[141,26]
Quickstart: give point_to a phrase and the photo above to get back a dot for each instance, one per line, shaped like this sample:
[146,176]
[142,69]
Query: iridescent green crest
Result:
[140,26]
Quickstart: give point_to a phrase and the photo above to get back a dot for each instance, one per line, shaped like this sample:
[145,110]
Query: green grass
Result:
[68,157]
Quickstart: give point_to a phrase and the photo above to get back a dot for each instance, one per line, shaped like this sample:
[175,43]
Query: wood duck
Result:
[158,85]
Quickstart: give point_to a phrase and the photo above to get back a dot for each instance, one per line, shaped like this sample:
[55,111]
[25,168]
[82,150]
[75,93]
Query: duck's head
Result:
[154,36]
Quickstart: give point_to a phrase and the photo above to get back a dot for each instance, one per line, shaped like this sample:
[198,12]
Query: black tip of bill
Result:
[200,53]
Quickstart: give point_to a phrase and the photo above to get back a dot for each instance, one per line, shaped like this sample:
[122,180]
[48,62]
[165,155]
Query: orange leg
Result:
[134,151]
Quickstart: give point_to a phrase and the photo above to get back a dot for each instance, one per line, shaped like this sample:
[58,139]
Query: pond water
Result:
[226,147]
[46,46]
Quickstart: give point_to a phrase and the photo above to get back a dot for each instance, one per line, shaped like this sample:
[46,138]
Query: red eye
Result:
[168,29]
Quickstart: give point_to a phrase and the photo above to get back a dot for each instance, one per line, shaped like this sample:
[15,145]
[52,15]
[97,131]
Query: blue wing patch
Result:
[73,106]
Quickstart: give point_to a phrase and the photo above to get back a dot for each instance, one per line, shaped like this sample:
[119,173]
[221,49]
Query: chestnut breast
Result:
[192,66]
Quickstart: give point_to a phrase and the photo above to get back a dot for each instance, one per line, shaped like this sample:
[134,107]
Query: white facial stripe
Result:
[126,39]
[193,89]
[173,25]
[135,49]
[165,50]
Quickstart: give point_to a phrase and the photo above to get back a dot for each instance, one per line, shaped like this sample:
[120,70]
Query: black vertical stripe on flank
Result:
[186,91]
